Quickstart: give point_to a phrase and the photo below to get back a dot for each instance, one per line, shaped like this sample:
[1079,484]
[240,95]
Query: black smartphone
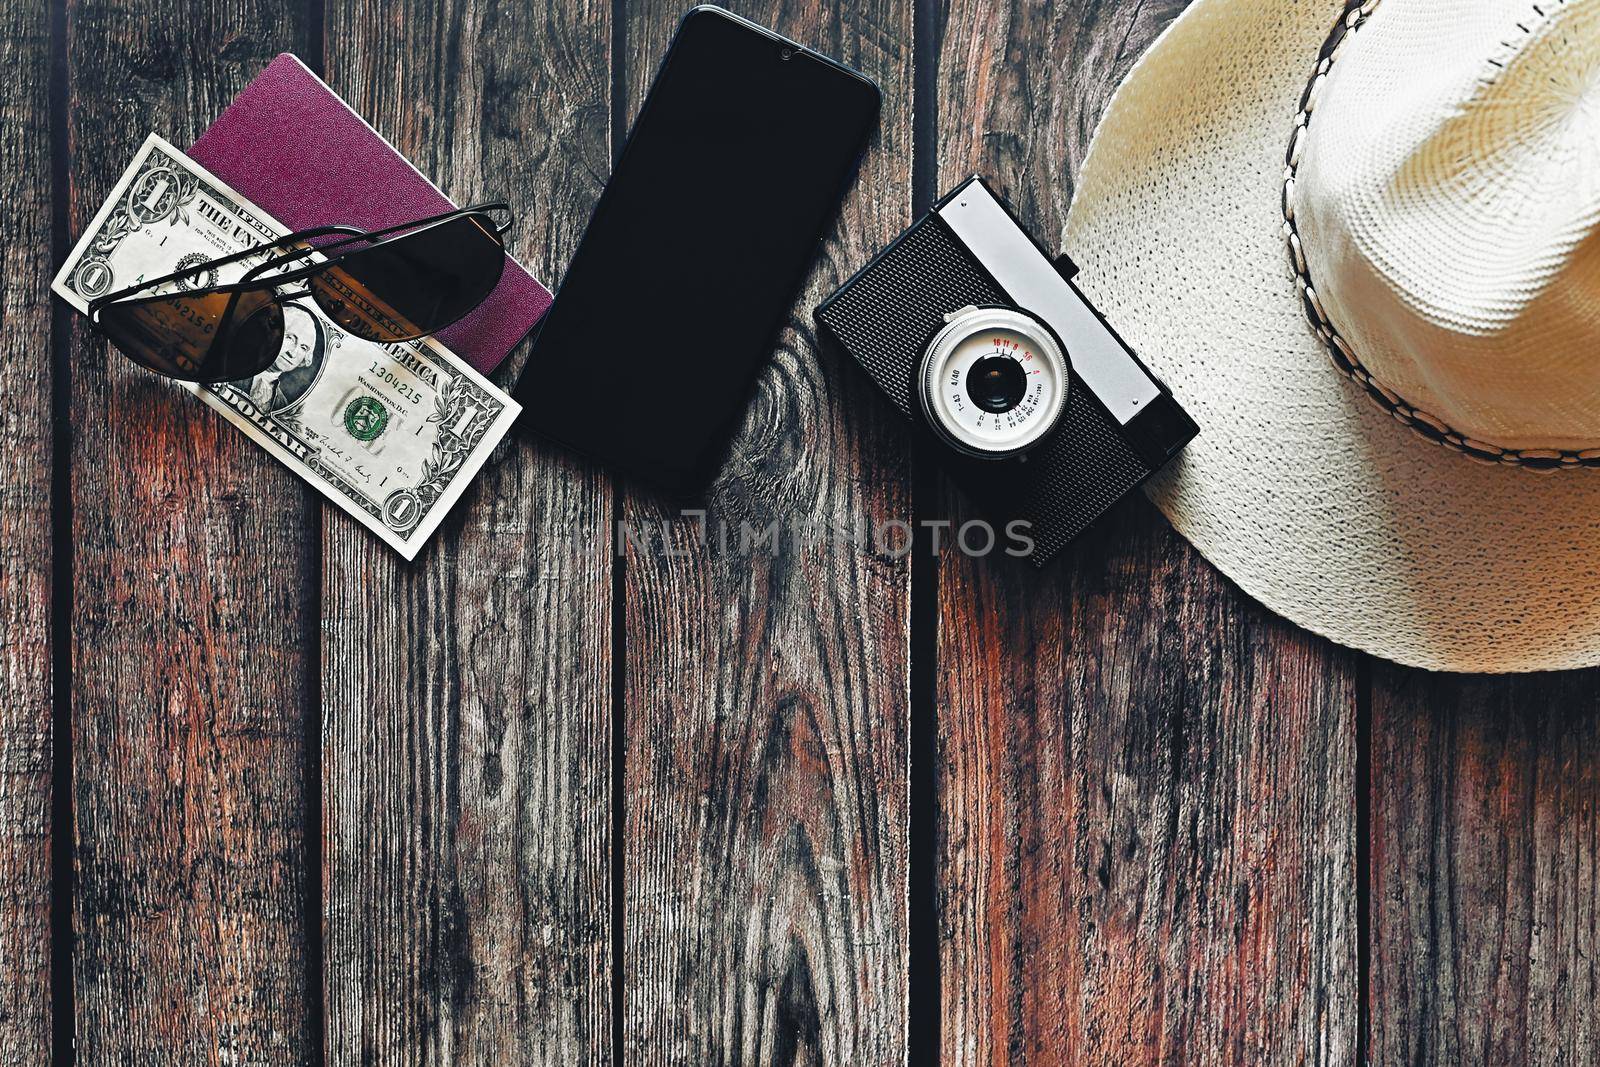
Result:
[689,266]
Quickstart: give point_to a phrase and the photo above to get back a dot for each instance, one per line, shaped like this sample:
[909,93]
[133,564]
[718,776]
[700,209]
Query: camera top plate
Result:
[1004,249]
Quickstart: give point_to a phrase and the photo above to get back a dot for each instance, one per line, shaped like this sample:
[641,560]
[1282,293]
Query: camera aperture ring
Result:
[966,394]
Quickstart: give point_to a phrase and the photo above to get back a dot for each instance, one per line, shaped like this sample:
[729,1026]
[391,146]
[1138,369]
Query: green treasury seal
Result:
[365,418]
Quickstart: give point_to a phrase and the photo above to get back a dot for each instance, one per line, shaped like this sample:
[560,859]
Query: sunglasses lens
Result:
[414,284]
[177,335]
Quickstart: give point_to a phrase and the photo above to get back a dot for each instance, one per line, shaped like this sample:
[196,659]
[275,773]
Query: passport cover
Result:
[290,144]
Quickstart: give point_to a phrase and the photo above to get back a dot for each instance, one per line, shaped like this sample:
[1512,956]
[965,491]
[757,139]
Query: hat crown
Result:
[1447,200]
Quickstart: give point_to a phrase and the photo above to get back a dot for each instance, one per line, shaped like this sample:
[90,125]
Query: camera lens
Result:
[786,52]
[996,383]
[993,382]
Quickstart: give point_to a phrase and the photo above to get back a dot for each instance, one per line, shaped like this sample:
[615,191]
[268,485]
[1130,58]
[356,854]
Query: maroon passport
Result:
[290,144]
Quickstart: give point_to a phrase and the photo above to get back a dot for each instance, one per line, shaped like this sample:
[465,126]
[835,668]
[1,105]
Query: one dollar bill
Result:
[392,433]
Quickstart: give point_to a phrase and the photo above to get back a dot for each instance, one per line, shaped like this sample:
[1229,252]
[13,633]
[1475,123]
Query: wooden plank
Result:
[1485,868]
[25,550]
[467,729]
[188,623]
[766,698]
[1147,846]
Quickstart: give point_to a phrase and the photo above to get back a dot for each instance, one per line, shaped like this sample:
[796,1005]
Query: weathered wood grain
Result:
[1145,795]
[766,698]
[189,666]
[466,697]
[1147,821]
[1484,885]
[25,550]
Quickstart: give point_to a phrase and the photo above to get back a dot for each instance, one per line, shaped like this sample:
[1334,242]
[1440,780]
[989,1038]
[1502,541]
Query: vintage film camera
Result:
[1041,412]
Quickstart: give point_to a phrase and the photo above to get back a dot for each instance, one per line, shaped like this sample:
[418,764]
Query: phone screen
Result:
[691,261]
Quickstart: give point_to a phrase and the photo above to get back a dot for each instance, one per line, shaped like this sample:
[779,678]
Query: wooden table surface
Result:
[268,795]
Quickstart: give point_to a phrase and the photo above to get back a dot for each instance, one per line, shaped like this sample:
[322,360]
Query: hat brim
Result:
[1299,488]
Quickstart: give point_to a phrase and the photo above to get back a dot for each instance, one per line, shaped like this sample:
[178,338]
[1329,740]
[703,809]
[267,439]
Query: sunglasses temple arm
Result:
[496,205]
[371,235]
[493,208]
[222,261]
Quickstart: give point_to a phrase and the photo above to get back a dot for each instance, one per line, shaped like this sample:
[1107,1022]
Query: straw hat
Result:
[1411,187]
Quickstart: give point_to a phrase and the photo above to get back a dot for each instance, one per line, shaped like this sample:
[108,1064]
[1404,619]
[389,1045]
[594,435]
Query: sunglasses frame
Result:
[257,279]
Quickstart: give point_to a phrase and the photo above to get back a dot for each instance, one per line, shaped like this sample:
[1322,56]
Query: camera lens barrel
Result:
[993,382]
[996,383]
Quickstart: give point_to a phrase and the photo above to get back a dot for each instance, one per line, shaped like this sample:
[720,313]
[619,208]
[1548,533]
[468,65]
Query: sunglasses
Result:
[389,285]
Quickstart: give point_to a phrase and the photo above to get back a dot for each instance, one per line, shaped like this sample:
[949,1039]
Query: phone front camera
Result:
[786,53]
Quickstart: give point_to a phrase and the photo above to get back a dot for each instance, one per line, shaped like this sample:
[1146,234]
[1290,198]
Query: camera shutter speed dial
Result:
[993,382]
